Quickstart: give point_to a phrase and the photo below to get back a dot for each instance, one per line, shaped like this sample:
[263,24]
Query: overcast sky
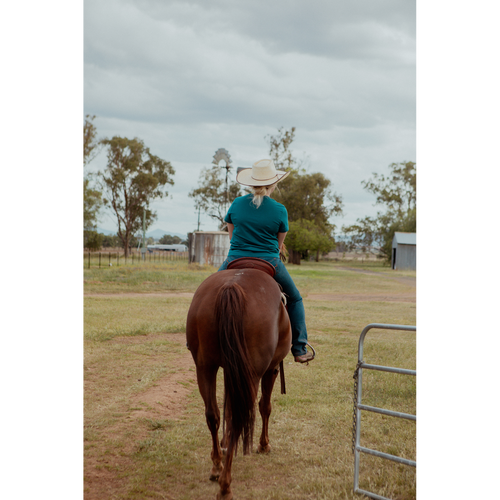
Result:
[188,77]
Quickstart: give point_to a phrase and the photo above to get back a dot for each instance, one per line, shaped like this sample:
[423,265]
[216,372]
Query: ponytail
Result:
[258,194]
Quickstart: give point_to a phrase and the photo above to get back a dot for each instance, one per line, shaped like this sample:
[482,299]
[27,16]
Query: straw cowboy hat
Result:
[262,173]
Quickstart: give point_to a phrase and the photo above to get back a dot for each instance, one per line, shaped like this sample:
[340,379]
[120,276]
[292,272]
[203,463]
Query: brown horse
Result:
[237,321]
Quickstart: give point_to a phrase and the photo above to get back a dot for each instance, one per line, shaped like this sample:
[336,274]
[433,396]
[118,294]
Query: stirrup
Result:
[312,349]
[306,361]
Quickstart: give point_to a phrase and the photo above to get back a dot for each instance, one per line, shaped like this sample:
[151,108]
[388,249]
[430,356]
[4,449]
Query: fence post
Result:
[89,259]
[99,260]
[109,259]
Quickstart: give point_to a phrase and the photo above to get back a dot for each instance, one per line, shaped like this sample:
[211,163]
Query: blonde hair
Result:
[259,192]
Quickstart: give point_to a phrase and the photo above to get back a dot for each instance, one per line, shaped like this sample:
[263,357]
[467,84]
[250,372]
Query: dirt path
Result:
[133,295]
[401,297]
[381,297]
[405,280]
[166,398]
[107,467]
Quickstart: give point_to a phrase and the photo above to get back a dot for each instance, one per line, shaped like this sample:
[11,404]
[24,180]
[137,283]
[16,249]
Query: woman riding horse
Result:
[257,227]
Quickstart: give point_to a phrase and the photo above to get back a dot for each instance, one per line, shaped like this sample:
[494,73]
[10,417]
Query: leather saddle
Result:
[253,263]
[259,264]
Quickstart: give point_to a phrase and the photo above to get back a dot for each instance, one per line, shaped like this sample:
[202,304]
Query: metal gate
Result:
[358,407]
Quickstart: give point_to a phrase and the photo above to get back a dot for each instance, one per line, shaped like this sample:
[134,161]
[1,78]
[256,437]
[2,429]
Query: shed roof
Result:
[405,238]
[211,232]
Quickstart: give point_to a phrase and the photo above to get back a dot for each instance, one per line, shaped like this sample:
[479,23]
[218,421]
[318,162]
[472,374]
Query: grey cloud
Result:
[140,63]
[188,77]
[335,28]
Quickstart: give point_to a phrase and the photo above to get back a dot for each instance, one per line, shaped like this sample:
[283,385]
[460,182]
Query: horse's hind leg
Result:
[265,408]
[207,379]
[225,437]
[225,492]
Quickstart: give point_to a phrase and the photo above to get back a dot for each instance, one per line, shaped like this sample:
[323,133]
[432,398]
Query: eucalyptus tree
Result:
[92,197]
[308,197]
[397,193]
[210,195]
[133,178]
[91,144]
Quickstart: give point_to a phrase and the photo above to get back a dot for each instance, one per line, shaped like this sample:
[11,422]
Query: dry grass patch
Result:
[146,435]
[117,315]
[146,277]
[322,278]
[133,386]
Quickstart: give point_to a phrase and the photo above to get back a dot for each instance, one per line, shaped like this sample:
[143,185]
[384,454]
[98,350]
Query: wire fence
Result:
[108,259]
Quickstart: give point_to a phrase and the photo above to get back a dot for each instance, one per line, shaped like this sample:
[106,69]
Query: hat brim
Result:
[245,178]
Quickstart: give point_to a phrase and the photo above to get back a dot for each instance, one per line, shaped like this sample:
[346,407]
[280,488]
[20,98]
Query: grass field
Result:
[145,430]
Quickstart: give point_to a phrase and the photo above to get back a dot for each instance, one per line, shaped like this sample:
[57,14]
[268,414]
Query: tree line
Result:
[396,193]
[134,177]
[95,241]
[311,203]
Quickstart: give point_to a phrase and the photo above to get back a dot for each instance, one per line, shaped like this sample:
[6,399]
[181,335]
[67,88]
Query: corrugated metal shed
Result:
[404,251]
[208,247]
[168,248]
[404,238]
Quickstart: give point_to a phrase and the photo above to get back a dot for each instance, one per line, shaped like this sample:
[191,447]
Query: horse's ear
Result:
[283,252]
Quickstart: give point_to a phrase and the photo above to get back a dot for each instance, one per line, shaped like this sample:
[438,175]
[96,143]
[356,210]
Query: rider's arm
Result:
[230,229]
[281,239]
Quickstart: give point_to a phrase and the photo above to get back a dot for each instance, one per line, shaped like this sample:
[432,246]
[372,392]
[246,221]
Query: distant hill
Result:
[156,234]
[106,232]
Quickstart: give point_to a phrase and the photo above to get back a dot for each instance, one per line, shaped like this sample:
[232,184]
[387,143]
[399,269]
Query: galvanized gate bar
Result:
[381,326]
[370,494]
[388,456]
[358,449]
[390,369]
[391,413]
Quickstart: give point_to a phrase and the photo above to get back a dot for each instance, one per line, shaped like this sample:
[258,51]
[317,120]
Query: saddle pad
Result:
[253,263]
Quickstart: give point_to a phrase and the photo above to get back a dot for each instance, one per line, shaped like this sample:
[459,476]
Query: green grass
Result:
[146,277]
[313,277]
[108,317]
[310,426]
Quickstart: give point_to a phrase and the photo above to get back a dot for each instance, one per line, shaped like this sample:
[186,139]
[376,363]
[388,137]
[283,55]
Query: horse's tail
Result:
[240,390]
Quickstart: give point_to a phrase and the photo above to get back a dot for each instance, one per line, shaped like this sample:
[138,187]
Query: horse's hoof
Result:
[227,496]
[265,449]
[215,473]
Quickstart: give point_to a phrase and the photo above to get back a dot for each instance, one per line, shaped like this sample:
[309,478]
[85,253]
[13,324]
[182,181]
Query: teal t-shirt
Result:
[256,229]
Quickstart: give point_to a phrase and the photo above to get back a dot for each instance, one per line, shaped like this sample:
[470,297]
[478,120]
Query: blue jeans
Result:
[295,305]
